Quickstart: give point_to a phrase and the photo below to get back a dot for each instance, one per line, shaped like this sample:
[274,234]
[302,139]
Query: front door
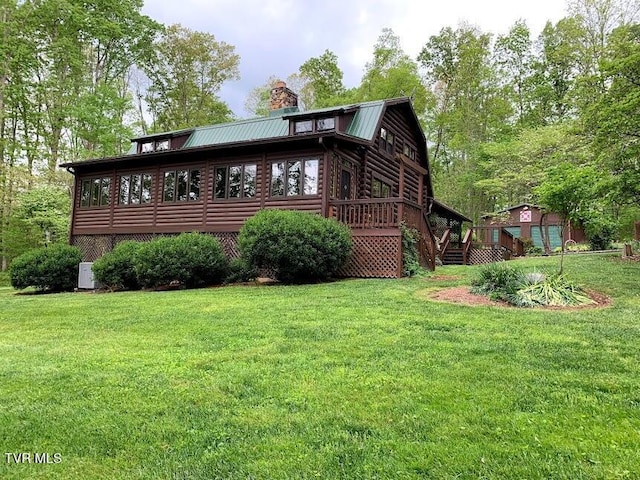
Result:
[345,185]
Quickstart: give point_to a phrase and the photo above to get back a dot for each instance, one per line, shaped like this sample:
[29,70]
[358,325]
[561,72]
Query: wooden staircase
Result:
[453,256]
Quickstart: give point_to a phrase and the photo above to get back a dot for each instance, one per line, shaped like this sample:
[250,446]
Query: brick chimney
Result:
[282,97]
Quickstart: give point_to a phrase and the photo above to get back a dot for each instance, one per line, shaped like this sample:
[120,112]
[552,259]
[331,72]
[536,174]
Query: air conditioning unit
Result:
[85,276]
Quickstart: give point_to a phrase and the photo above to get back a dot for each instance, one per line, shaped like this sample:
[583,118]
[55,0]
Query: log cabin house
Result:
[364,164]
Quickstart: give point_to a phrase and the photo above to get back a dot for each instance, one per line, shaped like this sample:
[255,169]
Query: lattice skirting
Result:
[94,246]
[373,256]
[487,255]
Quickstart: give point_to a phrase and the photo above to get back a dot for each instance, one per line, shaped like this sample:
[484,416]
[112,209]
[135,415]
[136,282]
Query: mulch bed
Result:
[461,295]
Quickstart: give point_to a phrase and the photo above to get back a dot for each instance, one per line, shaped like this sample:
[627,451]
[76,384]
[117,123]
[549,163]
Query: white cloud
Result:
[274,37]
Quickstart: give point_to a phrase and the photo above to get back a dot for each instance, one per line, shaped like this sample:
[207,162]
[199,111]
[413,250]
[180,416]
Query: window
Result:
[146,147]
[304,126]
[380,189]
[294,177]
[409,151]
[155,145]
[390,140]
[310,126]
[135,189]
[181,185]
[235,181]
[95,192]
[325,124]
[387,140]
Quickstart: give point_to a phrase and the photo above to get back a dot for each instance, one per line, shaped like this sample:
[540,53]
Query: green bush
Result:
[190,260]
[410,251]
[115,270]
[601,231]
[53,269]
[498,281]
[297,246]
[241,271]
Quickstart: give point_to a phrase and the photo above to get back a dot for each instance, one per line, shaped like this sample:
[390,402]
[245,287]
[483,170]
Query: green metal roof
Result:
[363,126]
[366,120]
[240,131]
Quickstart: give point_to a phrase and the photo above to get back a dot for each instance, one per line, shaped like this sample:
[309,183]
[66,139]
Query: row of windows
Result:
[318,125]
[95,192]
[388,142]
[290,178]
[181,186]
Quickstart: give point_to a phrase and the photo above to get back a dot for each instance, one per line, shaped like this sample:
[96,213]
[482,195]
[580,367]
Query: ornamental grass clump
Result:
[553,291]
[501,281]
[498,281]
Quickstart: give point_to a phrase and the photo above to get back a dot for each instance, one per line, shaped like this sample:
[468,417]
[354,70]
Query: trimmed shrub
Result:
[241,271]
[297,246]
[54,269]
[115,270]
[190,260]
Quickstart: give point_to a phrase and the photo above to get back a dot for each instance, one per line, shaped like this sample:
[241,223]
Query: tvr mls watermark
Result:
[33,457]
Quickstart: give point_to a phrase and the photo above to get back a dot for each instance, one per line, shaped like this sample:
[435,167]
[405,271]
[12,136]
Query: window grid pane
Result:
[277,179]
[250,175]
[146,188]
[294,176]
[169,186]
[194,185]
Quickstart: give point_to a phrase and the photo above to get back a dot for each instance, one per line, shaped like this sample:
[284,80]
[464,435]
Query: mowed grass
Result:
[352,379]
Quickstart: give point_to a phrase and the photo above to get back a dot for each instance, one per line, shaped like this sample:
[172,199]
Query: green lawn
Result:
[353,379]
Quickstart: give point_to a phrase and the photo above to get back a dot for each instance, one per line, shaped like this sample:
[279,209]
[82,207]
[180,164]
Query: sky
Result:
[275,37]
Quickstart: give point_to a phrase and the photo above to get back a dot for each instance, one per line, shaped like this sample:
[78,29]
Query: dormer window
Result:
[304,126]
[323,124]
[158,145]
[314,126]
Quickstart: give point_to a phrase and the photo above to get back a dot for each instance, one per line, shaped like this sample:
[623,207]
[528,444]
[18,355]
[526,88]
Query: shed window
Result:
[95,192]
[146,147]
[181,185]
[294,178]
[235,181]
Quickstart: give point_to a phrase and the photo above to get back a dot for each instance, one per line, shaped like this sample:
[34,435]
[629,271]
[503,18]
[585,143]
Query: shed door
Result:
[555,240]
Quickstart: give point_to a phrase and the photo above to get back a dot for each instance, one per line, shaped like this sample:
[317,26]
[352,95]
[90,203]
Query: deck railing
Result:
[368,213]
[484,238]
[387,213]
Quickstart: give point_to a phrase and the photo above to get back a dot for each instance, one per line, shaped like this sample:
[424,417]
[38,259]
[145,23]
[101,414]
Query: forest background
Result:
[508,118]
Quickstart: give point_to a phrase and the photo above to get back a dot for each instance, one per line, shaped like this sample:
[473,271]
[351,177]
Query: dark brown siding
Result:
[385,166]
[206,214]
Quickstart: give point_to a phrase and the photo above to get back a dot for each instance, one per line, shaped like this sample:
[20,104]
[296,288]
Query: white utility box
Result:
[85,276]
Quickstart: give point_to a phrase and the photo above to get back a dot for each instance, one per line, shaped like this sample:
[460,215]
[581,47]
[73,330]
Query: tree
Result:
[568,191]
[186,75]
[469,109]
[324,83]
[513,53]
[614,120]
[392,73]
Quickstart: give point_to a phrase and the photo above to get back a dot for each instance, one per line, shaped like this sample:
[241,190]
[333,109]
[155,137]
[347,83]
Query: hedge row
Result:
[293,246]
